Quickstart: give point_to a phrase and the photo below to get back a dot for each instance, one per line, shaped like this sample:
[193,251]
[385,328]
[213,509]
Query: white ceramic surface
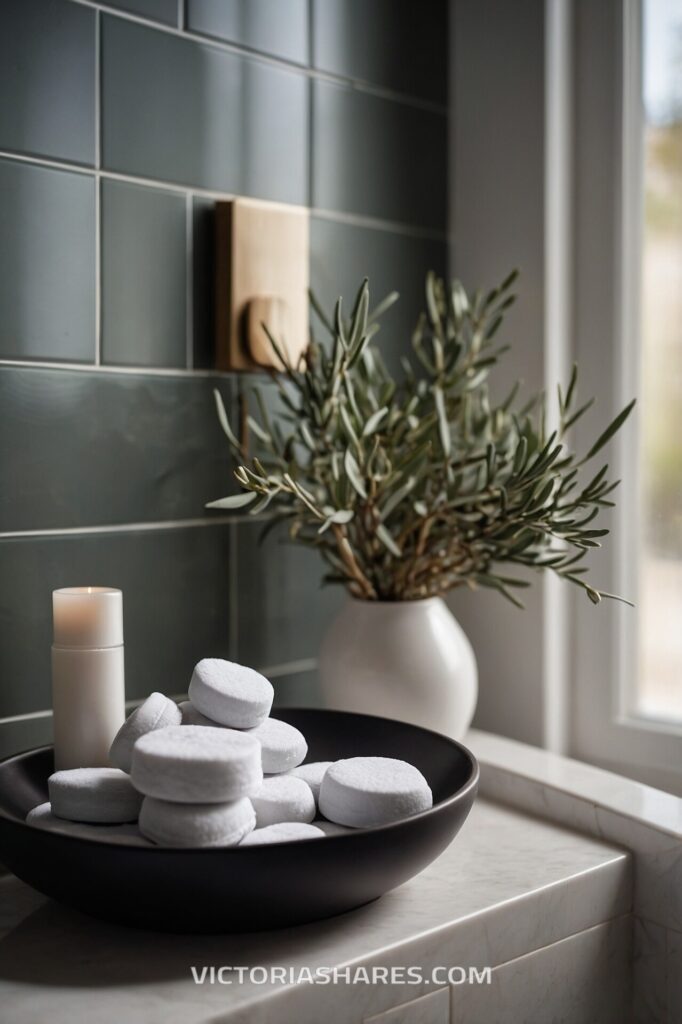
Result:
[508,885]
[638,818]
[599,788]
[582,979]
[641,819]
[408,660]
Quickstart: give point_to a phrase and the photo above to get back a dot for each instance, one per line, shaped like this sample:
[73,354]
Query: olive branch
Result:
[409,488]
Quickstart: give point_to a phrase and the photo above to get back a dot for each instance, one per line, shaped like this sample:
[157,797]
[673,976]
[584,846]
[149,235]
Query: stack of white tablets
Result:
[196,782]
[217,771]
[231,696]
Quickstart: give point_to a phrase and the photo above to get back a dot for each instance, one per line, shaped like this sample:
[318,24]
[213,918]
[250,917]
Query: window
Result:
[658,685]
[627,663]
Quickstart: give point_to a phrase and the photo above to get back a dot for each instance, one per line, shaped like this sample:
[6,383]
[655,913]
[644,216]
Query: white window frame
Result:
[608,191]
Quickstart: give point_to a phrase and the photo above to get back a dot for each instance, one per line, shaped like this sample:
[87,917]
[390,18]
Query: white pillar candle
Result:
[88,689]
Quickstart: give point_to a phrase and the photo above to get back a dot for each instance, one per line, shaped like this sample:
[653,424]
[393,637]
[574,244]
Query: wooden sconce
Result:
[261,263]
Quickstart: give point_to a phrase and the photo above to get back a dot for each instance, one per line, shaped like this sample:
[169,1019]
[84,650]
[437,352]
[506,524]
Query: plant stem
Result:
[348,559]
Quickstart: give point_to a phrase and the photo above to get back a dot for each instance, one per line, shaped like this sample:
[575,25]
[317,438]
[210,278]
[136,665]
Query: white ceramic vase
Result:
[409,660]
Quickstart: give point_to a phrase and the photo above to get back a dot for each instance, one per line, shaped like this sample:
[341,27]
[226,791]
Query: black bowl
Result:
[233,890]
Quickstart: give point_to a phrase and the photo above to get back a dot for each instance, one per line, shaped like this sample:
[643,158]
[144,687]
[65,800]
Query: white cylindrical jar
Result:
[88,683]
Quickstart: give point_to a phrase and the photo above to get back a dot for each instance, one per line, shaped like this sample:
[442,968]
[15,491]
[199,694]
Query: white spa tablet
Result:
[230,694]
[157,712]
[284,832]
[124,835]
[190,716]
[196,825]
[197,764]
[313,774]
[95,795]
[282,798]
[366,791]
[282,746]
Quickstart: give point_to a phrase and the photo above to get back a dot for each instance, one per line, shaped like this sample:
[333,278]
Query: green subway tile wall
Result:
[165,11]
[212,118]
[176,587]
[277,27]
[144,298]
[86,448]
[47,263]
[390,260]
[375,156]
[350,39]
[47,79]
[110,163]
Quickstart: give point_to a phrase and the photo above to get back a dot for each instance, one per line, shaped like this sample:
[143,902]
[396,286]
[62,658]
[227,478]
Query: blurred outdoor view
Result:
[659,692]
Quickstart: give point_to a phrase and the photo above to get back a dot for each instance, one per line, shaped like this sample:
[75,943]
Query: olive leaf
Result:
[411,486]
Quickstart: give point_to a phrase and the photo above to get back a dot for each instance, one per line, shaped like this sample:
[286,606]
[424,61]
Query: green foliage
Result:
[410,488]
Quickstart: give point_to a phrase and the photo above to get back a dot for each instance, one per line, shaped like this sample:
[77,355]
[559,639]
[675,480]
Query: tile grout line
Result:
[97,295]
[286,668]
[30,716]
[311,109]
[98,272]
[338,216]
[98,193]
[357,84]
[189,282]
[136,371]
[98,90]
[152,526]
[368,222]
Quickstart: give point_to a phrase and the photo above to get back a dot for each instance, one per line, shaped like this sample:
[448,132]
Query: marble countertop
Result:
[558,776]
[509,884]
